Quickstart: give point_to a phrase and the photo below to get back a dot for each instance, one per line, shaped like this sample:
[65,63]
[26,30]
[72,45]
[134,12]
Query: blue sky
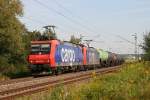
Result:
[101,20]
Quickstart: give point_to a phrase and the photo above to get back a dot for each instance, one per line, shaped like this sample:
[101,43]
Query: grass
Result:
[130,83]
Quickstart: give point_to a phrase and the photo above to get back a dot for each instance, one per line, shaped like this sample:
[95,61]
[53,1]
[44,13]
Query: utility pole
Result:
[135,49]
[139,46]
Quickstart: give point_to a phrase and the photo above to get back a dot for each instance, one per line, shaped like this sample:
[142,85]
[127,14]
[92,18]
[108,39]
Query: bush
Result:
[131,83]
[12,70]
[18,71]
[4,65]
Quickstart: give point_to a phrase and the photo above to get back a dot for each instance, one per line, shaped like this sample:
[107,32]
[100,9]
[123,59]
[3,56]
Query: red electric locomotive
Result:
[55,56]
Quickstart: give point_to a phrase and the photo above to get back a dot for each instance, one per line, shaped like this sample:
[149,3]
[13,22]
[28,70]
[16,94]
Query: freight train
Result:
[56,57]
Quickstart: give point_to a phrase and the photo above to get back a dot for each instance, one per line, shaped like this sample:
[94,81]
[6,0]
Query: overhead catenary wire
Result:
[124,39]
[63,15]
[73,15]
[43,5]
[34,20]
[38,21]
[133,43]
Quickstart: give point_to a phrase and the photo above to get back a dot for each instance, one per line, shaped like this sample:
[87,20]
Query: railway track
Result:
[6,82]
[29,86]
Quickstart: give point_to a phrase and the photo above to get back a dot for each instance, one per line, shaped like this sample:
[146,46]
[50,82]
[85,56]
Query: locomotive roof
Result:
[82,45]
[40,42]
[49,41]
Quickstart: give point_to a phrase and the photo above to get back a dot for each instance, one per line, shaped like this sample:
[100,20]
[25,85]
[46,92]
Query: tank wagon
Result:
[103,57]
[108,59]
[55,57]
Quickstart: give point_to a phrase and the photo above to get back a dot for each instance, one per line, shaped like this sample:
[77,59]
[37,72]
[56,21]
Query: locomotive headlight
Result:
[31,61]
[47,60]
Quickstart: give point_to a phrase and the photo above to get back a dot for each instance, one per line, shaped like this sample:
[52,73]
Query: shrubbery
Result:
[12,46]
[130,83]
[13,70]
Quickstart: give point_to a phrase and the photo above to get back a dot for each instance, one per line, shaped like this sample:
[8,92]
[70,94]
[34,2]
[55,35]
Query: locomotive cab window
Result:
[40,49]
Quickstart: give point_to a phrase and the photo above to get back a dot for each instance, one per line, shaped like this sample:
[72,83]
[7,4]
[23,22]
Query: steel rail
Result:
[37,87]
[6,82]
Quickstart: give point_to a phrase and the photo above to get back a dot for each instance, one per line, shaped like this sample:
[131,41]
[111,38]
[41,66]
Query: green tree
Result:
[34,35]
[29,36]
[11,29]
[75,40]
[48,34]
[146,46]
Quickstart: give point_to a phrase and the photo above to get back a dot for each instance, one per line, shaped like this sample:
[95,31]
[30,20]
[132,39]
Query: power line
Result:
[34,20]
[47,7]
[125,39]
[38,22]
[30,19]
[63,15]
[129,41]
[98,41]
[137,46]
[67,10]
[60,5]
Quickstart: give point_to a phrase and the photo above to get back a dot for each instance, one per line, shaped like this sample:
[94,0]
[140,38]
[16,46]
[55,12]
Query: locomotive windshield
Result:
[40,48]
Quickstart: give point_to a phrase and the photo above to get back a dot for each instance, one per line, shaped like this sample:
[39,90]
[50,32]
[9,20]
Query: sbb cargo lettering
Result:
[67,55]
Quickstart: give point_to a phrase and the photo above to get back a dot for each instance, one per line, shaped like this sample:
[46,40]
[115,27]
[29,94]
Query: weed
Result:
[130,83]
